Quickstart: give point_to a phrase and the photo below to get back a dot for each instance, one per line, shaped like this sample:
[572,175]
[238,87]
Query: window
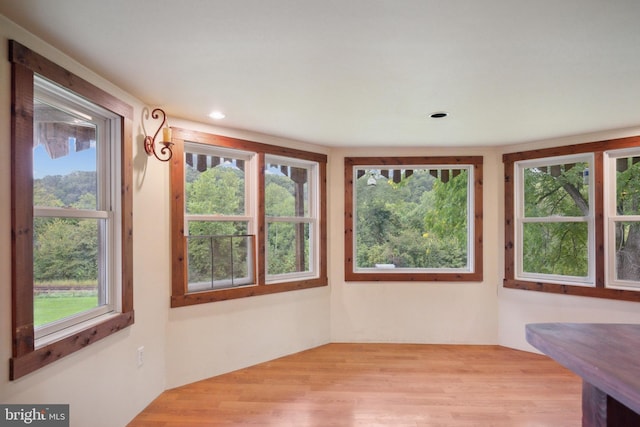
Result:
[555,218]
[249,218]
[413,218]
[622,207]
[572,219]
[219,213]
[292,218]
[71,203]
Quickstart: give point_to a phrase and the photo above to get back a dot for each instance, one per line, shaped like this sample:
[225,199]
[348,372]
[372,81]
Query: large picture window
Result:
[249,218]
[413,218]
[572,223]
[71,205]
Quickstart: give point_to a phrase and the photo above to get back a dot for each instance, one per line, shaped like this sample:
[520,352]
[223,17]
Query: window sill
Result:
[243,292]
[49,353]
[73,330]
[413,277]
[576,290]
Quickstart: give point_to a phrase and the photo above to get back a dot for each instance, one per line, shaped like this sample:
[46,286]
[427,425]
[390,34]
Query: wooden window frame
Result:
[179,295]
[476,275]
[598,150]
[26,358]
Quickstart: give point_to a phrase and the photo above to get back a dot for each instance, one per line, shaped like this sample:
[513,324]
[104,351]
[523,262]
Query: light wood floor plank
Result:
[369,385]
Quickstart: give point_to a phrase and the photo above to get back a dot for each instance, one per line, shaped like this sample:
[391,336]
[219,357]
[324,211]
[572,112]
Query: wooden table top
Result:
[605,355]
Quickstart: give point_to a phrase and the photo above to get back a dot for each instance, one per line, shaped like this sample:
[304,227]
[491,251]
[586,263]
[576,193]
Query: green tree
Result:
[558,247]
[418,222]
[628,232]
[71,187]
[445,222]
[66,249]
[281,236]
[213,253]
[218,190]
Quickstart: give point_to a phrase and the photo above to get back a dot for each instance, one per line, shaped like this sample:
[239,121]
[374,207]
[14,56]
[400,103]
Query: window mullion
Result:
[261,226]
[598,214]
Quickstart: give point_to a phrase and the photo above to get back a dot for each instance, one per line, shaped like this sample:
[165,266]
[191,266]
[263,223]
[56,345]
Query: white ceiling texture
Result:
[364,72]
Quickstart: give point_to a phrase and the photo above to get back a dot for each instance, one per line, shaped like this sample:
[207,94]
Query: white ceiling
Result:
[364,72]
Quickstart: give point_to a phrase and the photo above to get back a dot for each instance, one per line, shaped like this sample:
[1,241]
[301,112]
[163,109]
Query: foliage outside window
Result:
[218,215]
[249,219]
[291,210]
[572,219]
[413,218]
[622,204]
[72,282]
[555,218]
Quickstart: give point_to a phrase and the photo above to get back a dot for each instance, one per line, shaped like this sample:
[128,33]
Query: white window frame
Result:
[392,269]
[107,212]
[611,217]
[312,219]
[520,220]
[250,195]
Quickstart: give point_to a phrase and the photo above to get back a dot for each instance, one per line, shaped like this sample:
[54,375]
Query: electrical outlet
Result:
[140,356]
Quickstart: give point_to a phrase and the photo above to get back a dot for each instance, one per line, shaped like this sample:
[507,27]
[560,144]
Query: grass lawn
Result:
[50,308]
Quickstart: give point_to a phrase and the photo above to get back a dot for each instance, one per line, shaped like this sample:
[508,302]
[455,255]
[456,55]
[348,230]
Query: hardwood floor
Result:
[380,385]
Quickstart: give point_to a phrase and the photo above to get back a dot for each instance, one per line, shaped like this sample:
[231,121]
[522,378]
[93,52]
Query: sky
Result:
[43,165]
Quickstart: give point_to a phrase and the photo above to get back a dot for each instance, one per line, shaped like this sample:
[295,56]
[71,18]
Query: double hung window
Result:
[71,212]
[291,215]
[75,205]
[555,219]
[219,212]
[622,207]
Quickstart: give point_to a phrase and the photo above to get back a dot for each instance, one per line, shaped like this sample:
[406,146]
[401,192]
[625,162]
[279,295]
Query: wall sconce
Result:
[150,141]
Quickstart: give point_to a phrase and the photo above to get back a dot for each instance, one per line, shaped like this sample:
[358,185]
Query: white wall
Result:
[518,308]
[417,312]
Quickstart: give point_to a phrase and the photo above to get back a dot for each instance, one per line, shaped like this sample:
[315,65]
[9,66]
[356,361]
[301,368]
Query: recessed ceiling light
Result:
[217,115]
[439,115]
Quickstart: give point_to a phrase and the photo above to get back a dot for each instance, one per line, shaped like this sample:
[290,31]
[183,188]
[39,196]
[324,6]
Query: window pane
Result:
[287,248]
[628,186]
[217,262]
[556,248]
[412,218]
[286,191]
[64,159]
[627,250]
[219,255]
[218,228]
[66,268]
[214,185]
[556,190]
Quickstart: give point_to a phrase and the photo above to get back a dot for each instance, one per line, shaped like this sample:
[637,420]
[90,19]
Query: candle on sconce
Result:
[166,134]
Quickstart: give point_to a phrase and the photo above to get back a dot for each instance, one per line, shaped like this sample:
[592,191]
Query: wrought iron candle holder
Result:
[150,141]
